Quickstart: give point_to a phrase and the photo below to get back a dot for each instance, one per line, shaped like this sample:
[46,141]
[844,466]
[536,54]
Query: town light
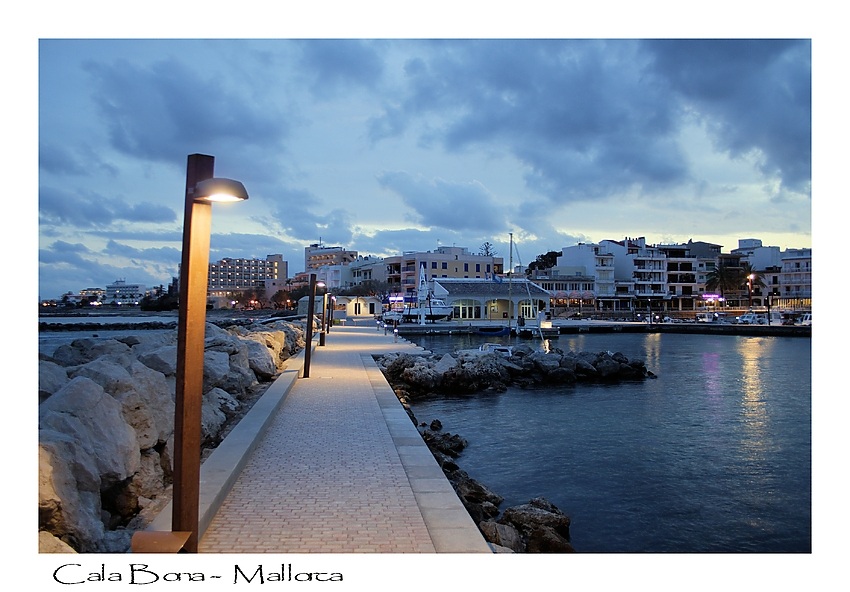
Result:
[201,190]
[219,190]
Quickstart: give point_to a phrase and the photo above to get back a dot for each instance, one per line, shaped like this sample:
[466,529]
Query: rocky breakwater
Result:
[106,423]
[537,526]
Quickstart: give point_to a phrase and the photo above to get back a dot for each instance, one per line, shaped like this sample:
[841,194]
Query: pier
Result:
[330,464]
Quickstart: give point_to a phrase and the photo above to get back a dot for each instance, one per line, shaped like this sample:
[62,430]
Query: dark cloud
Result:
[460,206]
[167,110]
[91,210]
[301,215]
[336,65]
[752,94]
[167,255]
[591,118]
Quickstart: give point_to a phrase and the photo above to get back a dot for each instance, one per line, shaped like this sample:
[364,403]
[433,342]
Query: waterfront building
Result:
[444,262]
[492,299]
[630,275]
[795,279]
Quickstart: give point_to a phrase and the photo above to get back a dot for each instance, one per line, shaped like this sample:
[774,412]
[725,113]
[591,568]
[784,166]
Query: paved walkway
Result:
[335,466]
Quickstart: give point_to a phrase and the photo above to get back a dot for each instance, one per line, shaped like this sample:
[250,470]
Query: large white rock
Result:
[85,412]
[51,377]
[68,491]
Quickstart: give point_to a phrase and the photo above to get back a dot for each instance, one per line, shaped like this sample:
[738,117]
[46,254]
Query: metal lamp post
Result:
[750,289]
[310,314]
[202,189]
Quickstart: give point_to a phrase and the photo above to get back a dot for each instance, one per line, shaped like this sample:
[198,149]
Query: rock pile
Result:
[468,372]
[106,422]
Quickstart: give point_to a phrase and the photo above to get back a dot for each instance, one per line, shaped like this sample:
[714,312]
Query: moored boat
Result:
[493,330]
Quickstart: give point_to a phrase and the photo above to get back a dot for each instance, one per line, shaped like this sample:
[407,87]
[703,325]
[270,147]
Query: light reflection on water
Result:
[712,456]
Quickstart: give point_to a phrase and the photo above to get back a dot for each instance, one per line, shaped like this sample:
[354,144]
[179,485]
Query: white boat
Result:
[428,308]
[490,348]
[433,308]
[496,348]
[806,319]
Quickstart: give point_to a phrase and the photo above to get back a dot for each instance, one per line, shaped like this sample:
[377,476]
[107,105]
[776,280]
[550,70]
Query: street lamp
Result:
[750,288]
[310,313]
[202,189]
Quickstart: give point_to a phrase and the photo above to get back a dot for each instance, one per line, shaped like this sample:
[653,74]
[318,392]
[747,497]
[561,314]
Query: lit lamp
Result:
[202,189]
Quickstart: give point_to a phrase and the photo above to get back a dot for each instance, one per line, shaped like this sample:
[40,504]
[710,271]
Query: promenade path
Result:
[333,464]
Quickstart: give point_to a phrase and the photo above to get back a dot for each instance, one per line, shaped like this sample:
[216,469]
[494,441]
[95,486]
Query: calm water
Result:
[712,456]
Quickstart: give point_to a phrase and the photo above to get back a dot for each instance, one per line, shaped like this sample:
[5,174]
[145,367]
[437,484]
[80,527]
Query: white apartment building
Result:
[673,277]
[795,279]
[120,292]
[236,275]
[318,255]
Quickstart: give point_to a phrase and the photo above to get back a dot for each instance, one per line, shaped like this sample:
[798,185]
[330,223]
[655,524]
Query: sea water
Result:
[713,455]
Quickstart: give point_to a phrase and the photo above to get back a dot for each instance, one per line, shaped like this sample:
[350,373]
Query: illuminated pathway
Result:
[341,468]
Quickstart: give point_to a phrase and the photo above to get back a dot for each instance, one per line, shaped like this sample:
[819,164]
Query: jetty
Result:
[331,463]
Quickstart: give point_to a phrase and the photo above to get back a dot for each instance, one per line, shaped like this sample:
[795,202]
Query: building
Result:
[318,255]
[120,292]
[795,280]
[444,262]
[493,299]
[230,276]
[630,275]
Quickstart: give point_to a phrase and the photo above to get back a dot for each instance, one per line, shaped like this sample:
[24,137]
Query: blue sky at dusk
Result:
[388,145]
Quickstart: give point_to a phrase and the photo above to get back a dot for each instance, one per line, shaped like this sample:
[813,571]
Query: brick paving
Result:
[329,474]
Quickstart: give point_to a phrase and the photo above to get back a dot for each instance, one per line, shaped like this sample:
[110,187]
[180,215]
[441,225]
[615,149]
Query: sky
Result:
[385,145]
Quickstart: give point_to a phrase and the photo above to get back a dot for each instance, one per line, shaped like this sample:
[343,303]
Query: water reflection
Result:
[754,354]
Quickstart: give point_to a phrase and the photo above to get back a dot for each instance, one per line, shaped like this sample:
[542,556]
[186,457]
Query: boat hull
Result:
[493,331]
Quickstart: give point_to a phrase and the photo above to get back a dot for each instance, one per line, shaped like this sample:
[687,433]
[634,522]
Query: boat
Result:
[392,316]
[806,319]
[493,330]
[432,309]
[428,307]
[490,348]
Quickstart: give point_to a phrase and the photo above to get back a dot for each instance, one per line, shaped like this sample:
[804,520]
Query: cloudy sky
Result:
[389,145]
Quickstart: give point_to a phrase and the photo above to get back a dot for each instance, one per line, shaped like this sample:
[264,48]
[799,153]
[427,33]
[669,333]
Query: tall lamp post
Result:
[202,189]
[750,288]
[311,309]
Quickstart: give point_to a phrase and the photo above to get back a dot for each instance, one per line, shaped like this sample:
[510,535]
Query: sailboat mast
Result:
[511,283]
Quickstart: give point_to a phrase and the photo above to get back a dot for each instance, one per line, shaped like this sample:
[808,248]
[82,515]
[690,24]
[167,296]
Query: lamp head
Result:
[219,190]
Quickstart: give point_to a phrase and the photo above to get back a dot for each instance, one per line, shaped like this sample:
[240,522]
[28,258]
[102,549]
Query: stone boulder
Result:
[162,359]
[262,353]
[68,492]
[543,527]
[85,412]
[51,377]
[48,543]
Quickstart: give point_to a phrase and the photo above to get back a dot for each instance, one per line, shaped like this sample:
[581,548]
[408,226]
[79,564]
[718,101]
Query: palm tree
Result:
[723,279]
[751,278]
